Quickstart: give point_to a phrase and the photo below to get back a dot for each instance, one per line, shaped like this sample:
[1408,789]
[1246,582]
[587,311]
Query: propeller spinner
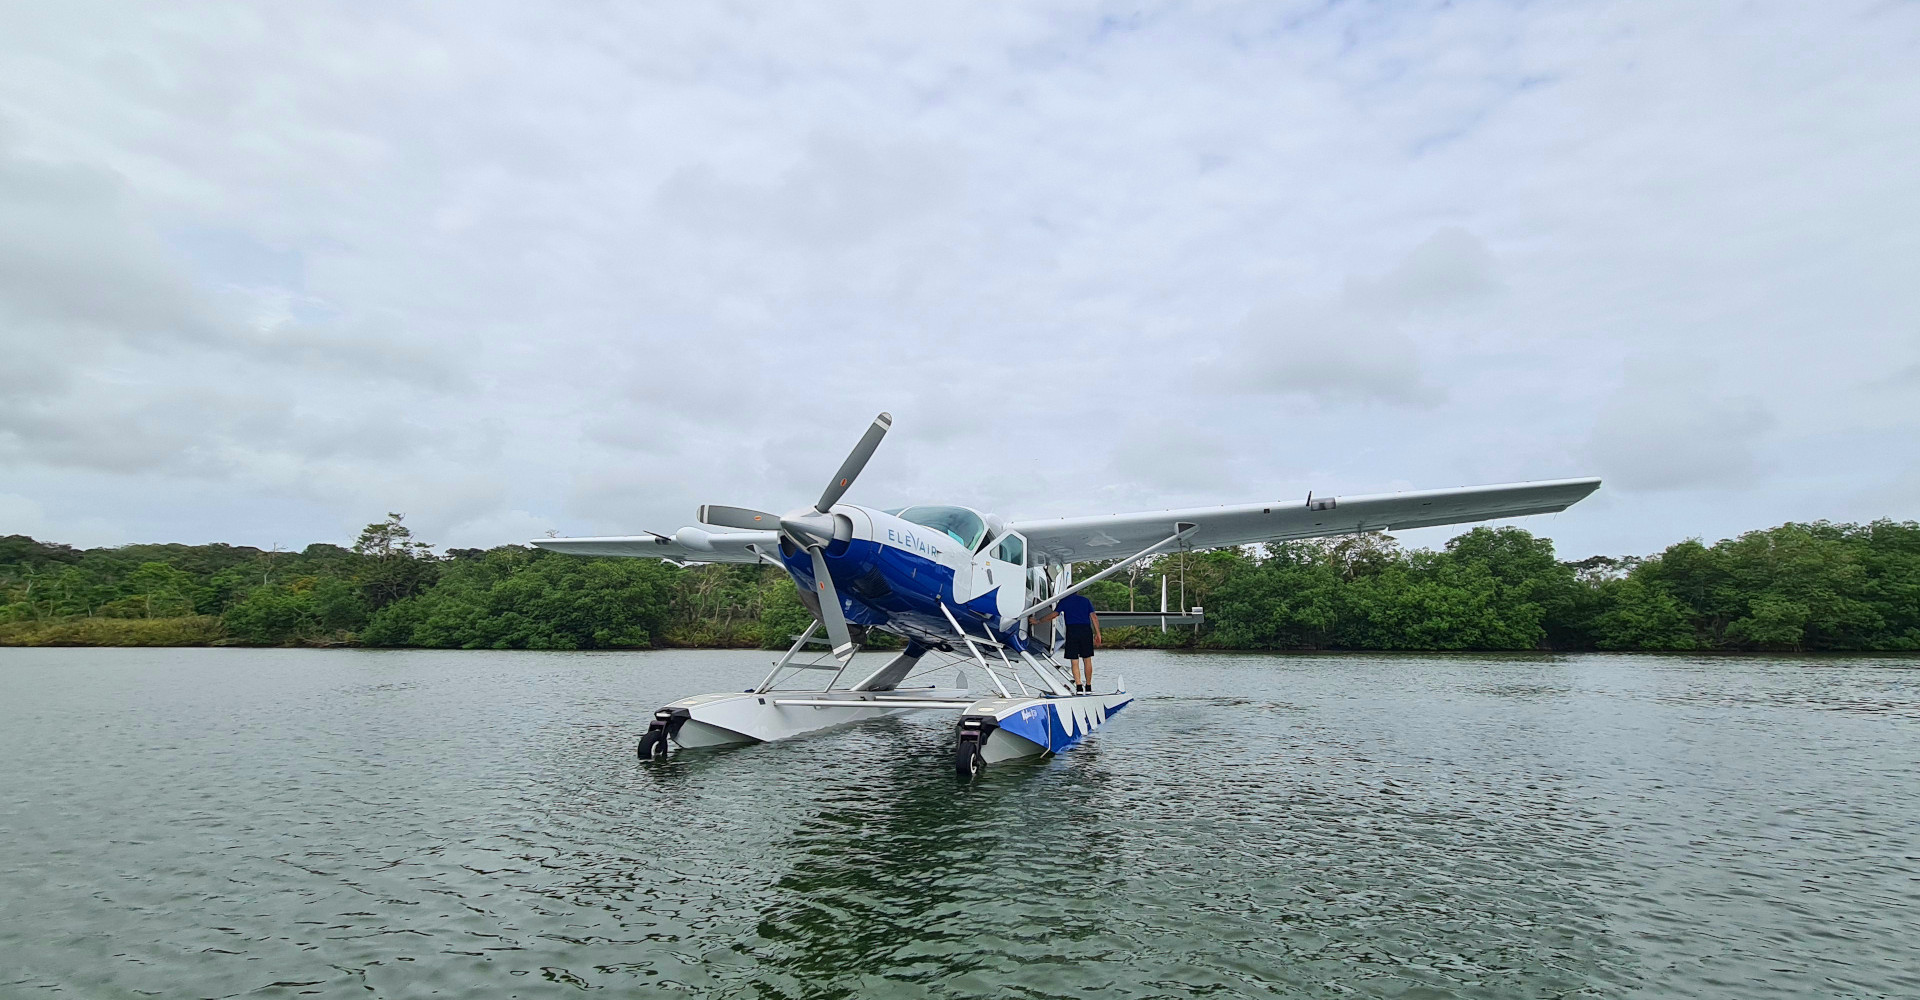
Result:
[813,529]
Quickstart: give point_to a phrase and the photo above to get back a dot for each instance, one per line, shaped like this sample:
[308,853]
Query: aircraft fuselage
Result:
[895,575]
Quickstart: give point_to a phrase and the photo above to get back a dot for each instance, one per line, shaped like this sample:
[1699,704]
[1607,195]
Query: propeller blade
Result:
[835,621]
[737,517]
[856,460]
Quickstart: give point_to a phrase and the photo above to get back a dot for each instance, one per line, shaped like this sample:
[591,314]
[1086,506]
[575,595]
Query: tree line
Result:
[1818,586]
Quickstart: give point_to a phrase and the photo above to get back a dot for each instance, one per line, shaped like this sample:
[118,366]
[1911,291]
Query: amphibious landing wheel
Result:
[968,737]
[653,745]
[966,759]
[666,725]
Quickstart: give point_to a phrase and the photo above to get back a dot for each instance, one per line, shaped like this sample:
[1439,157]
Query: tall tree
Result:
[402,566]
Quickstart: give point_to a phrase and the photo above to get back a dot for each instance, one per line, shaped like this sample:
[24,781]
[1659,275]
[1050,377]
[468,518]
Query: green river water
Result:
[226,822]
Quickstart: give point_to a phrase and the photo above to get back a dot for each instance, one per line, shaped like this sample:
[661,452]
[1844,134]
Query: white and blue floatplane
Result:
[972,591]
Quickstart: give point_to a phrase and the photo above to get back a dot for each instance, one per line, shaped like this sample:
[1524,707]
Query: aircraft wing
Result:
[1112,536]
[686,545]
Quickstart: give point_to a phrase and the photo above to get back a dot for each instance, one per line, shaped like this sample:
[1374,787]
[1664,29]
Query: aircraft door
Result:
[1040,584]
[1005,566]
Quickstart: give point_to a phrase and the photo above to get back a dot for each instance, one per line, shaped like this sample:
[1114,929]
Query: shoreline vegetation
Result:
[1818,587]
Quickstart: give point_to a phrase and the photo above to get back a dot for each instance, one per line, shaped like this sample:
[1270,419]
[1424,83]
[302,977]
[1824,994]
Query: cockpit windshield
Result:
[960,524]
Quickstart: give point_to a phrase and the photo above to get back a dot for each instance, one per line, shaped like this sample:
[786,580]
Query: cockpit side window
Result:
[959,523]
[1011,549]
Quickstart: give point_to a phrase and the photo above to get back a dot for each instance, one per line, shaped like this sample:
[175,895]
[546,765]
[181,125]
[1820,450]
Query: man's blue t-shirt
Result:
[1077,610]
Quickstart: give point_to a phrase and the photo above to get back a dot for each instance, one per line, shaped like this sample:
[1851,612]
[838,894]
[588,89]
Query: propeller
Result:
[813,529]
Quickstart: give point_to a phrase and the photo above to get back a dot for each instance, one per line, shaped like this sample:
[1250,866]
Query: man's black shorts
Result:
[1079,642]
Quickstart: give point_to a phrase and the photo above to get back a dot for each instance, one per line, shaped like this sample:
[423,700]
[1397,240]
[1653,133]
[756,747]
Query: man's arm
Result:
[1094,616]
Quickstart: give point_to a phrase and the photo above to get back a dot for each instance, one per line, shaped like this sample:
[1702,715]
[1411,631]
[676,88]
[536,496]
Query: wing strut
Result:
[1181,529]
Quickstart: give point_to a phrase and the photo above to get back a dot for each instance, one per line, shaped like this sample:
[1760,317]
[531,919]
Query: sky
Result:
[270,271]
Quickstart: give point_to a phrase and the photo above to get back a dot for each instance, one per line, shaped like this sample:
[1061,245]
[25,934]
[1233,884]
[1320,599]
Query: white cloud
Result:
[22,516]
[1448,268]
[1168,458]
[612,262]
[841,191]
[1670,427]
[489,529]
[1331,355]
[1359,347]
[75,257]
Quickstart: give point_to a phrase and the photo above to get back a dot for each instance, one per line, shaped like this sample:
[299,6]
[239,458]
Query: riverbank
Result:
[207,631]
[195,630]
[1797,587]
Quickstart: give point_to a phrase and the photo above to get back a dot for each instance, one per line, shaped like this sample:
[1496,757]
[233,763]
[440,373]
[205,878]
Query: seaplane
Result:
[972,591]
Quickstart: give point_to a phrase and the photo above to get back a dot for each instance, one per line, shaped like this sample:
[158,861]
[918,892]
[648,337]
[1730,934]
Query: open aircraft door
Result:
[1045,580]
[1004,566]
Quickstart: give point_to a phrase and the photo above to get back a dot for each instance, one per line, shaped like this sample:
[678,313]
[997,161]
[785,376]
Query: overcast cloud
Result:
[270,271]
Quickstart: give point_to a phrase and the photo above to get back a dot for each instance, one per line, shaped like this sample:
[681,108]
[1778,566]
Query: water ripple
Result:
[282,823]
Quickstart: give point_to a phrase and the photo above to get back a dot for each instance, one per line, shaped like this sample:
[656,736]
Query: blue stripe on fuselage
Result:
[890,587]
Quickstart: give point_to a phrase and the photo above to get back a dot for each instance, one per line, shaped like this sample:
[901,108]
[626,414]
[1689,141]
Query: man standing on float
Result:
[1083,633]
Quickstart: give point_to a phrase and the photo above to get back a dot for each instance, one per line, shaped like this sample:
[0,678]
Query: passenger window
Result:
[1012,550]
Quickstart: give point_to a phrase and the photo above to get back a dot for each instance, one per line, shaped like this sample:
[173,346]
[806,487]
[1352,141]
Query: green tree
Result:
[516,599]
[339,605]
[1813,586]
[1637,613]
[782,616]
[398,567]
[1435,602]
[1771,623]
[273,616]
[158,590]
[1294,598]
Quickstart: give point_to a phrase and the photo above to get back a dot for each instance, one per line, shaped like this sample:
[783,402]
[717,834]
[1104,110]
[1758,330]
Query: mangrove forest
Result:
[1802,587]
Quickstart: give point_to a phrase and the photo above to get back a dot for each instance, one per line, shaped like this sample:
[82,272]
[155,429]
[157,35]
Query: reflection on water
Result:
[282,823]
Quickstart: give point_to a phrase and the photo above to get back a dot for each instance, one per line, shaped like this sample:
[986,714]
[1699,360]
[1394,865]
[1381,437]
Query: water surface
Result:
[352,823]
